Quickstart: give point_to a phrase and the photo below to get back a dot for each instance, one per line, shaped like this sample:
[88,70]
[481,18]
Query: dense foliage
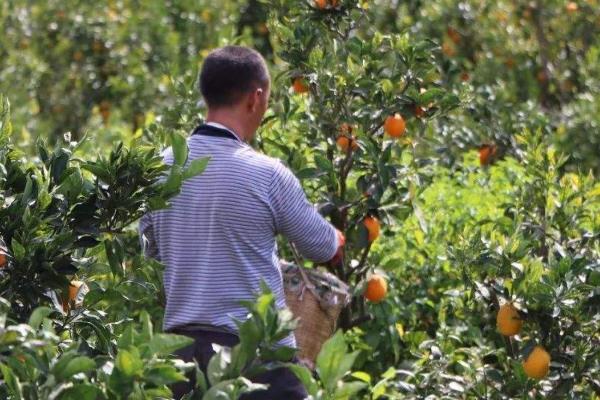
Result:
[486,197]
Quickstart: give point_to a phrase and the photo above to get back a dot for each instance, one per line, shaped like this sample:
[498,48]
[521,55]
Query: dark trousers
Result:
[283,384]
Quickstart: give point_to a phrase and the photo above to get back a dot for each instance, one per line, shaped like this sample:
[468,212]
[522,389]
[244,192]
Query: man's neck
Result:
[230,123]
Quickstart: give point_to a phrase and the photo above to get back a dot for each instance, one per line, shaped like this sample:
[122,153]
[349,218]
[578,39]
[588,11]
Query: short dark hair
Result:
[230,71]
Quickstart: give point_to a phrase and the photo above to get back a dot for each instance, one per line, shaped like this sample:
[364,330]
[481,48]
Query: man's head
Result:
[235,84]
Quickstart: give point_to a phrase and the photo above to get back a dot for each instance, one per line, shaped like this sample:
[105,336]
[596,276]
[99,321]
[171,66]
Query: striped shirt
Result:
[217,239]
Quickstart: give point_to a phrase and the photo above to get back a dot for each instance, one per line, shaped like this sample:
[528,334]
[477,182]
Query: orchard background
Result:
[486,194]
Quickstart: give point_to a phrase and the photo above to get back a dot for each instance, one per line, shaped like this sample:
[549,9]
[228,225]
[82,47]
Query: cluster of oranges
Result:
[394,126]
[536,363]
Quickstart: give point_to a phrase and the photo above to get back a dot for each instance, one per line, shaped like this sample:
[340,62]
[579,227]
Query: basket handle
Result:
[300,263]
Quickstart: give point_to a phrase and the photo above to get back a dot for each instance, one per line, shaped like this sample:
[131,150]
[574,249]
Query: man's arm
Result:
[298,220]
[147,240]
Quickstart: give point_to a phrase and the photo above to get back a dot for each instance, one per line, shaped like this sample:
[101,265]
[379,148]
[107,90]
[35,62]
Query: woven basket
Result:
[316,298]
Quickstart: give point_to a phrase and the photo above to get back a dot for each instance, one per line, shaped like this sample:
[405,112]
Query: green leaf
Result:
[38,315]
[18,250]
[263,303]
[129,362]
[430,95]
[195,168]
[363,376]
[333,362]
[173,183]
[217,366]
[163,375]
[12,382]
[110,246]
[180,149]
[102,173]
[349,390]
[305,376]
[323,163]
[127,338]
[165,344]
[81,391]
[74,366]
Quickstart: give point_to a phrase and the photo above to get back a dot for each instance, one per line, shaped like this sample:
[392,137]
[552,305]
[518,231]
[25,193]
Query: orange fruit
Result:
[572,7]
[344,141]
[537,363]
[346,128]
[448,48]
[486,154]
[373,227]
[300,86]
[419,112]
[74,288]
[394,125]
[464,76]
[508,320]
[453,35]
[509,62]
[321,4]
[262,28]
[3,260]
[376,288]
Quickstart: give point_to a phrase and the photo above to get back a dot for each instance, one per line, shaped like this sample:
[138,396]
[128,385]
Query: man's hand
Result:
[339,255]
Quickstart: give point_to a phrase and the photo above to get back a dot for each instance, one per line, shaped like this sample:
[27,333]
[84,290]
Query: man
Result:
[217,240]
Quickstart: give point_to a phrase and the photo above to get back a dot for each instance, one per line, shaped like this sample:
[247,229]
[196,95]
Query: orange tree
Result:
[96,64]
[541,257]
[522,232]
[523,64]
[355,107]
[56,208]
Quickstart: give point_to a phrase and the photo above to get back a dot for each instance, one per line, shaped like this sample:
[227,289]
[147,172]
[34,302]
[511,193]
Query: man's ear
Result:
[252,100]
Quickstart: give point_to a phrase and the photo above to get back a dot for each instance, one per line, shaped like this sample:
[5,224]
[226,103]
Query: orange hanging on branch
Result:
[376,288]
[394,125]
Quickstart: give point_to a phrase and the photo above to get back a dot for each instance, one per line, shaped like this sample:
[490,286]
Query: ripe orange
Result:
[572,7]
[508,320]
[373,227]
[321,4]
[376,288]
[74,288]
[394,125]
[300,86]
[3,260]
[486,154]
[537,363]
[344,141]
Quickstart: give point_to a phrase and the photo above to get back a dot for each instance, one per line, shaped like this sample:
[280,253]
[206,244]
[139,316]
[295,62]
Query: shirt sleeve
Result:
[147,240]
[298,220]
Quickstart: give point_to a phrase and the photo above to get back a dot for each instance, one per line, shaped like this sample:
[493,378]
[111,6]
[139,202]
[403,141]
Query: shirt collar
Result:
[221,126]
